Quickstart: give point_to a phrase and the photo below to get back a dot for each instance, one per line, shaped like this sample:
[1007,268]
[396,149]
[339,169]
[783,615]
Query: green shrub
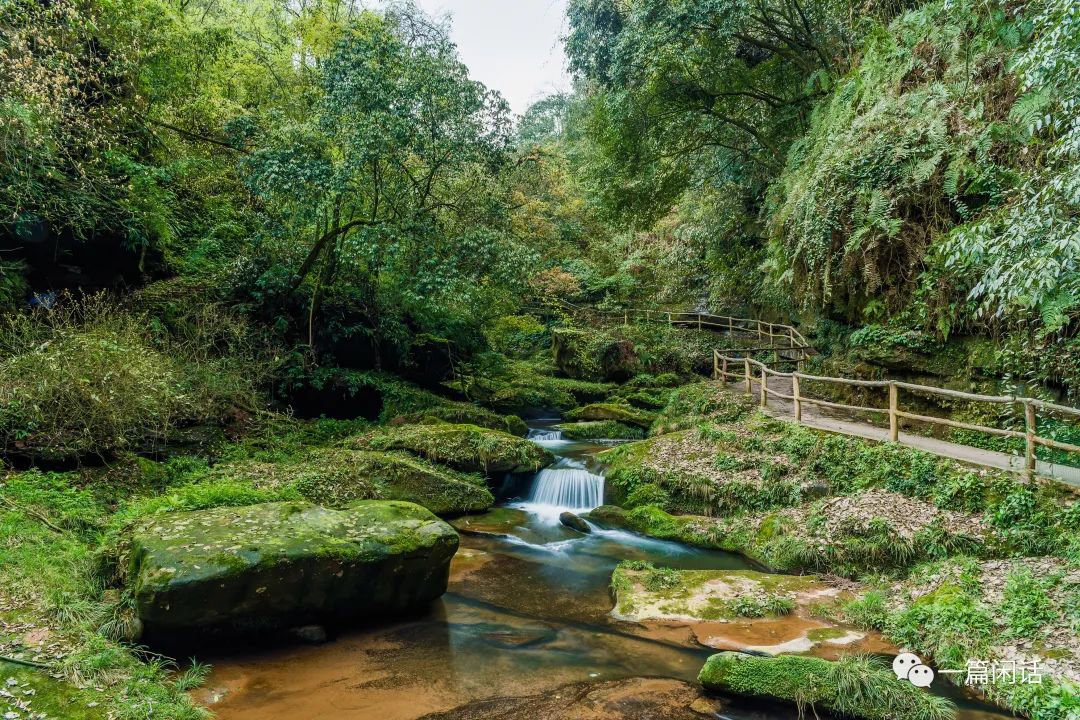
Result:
[517,335]
[89,377]
[1027,606]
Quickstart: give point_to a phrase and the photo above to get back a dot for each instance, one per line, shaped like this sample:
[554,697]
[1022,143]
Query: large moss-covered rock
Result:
[469,448]
[461,412]
[600,430]
[337,477]
[287,564]
[619,412]
[870,690]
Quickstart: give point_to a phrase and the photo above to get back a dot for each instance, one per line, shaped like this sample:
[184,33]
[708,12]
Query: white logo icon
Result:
[908,666]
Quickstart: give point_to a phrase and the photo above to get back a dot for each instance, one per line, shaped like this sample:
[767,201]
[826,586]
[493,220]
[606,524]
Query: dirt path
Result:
[847,423]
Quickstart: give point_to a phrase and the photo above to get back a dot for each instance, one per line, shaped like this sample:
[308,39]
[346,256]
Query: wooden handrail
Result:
[895,414]
[760,328]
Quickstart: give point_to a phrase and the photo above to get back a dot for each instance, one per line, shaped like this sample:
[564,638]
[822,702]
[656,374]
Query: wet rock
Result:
[287,564]
[630,699]
[468,448]
[816,682]
[310,634]
[498,522]
[573,522]
[619,412]
[610,516]
[741,610]
[519,637]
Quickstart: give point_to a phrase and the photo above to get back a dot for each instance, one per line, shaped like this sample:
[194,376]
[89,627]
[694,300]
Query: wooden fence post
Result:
[699,321]
[797,396]
[764,388]
[715,364]
[749,384]
[1029,429]
[724,365]
[894,420]
[625,318]
[669,318]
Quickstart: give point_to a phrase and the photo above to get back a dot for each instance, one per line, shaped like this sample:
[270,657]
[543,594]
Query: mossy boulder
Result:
[600,430]
[468,448]
[609,411]
[287,564]
[587,354]
[464,413]
[337,477]
[853,687]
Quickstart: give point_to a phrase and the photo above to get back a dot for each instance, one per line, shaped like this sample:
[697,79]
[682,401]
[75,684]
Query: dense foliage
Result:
[907,164]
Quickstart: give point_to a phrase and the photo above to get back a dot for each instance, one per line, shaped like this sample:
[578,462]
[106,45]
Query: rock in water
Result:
[310,634]
[573,522]
[287,564]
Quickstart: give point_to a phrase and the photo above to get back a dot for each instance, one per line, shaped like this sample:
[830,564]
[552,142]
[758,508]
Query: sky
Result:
[513,46]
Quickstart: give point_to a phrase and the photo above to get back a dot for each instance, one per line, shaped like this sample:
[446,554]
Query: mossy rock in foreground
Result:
[600,430]
[612,411]
[853,687]
[337,477]
[286,564]
[468,448]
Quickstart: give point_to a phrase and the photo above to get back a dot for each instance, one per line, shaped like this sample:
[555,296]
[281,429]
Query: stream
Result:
[525,612]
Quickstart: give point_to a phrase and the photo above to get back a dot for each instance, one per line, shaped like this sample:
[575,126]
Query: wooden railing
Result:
[749,370]
[747,327]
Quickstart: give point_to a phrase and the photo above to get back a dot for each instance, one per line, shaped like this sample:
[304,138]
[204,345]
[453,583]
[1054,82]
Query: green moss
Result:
[287,563]
[465,413]
[515,386]
[600,430]
[592,354]
[822,634]
[469,448]
[617,412]
[855,687]
[45,696]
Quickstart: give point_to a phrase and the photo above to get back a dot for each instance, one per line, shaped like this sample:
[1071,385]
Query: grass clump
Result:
[50,579]
[860,687]
[753,606]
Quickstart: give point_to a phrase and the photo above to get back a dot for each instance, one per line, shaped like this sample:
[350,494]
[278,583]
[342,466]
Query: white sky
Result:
[513,46]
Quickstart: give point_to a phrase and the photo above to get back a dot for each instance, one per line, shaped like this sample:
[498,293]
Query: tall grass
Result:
[88,376]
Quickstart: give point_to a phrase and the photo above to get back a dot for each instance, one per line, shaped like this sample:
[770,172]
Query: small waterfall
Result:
[544,435]
[567,488]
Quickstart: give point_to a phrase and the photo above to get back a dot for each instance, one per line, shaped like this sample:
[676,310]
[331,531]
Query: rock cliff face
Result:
[287,564]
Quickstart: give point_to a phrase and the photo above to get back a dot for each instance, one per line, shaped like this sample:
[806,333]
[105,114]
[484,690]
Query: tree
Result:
[384,181]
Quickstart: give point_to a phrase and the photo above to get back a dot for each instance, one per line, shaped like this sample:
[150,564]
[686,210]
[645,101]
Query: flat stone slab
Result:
[741,610]
[287,564]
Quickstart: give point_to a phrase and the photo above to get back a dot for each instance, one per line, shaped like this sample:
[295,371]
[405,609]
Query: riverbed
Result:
[526,611]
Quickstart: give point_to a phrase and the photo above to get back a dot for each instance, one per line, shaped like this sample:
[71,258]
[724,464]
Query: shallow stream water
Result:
[526,611]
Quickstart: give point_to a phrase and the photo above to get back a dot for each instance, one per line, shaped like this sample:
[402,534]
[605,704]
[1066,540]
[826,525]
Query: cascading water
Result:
[566,486]
[542,435]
